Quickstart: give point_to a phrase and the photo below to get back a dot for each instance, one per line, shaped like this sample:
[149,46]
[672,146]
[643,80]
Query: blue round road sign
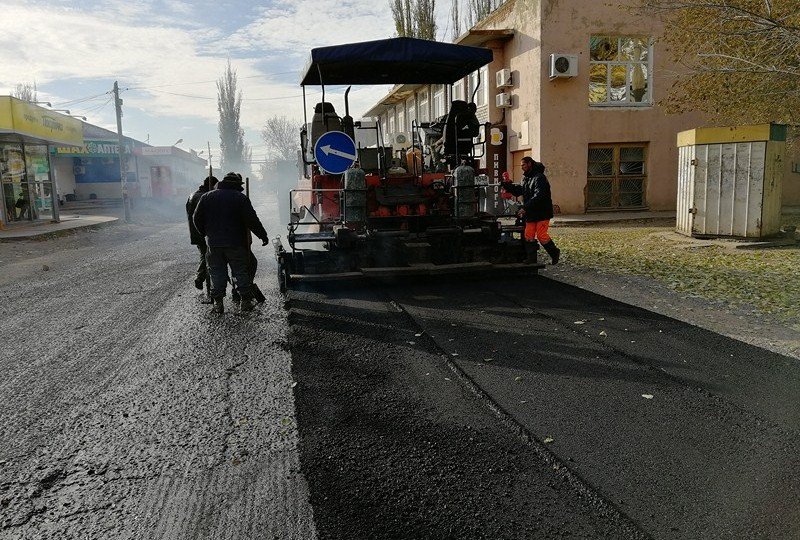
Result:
[335,152]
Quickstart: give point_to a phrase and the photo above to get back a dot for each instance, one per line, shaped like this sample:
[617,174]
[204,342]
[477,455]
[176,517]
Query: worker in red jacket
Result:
[537,208]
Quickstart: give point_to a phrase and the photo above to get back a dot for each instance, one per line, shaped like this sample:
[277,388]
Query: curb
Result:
[48,235]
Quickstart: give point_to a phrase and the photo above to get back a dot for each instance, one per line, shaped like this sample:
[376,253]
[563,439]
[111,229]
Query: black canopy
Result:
[393,61]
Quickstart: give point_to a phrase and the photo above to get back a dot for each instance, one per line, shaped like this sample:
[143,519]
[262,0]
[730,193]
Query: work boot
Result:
[530,252]
[552,250]
[247,304]
[198,283]
[235,296]
[219,307]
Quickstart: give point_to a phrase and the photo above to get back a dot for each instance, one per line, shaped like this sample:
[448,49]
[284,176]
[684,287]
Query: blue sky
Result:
[167,55]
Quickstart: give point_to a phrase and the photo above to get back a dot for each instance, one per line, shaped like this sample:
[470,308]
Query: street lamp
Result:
[42,103]
[176,143]
[60,110]
[78,116]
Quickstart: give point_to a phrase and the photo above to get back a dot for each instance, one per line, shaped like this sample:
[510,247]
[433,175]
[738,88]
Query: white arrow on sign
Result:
[328,150]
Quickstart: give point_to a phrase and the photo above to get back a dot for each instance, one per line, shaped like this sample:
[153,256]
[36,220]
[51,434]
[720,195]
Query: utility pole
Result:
[209,158]
[123,172]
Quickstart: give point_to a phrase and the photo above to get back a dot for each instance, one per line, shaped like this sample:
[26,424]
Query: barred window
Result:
[620,70]
[616,177]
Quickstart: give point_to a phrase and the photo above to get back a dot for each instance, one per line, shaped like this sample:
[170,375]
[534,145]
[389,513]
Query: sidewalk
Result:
[69,222]
[610,217]
[42,229]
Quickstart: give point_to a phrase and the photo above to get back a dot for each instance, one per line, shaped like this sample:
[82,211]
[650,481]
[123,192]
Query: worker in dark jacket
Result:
[537,208]
[196,238]
[225,217]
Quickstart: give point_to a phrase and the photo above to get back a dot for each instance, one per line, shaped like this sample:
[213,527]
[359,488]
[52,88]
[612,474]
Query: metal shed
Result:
[729,181]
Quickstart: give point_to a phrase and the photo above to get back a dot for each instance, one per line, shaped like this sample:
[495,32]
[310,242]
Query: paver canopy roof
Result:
[393,61]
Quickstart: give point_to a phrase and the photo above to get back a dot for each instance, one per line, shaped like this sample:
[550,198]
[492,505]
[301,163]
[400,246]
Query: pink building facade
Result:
[576,85]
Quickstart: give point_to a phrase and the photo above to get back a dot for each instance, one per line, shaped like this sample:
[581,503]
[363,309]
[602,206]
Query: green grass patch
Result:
[768,279]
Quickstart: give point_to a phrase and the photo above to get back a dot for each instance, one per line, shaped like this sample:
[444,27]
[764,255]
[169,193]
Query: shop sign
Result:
[90,149]
[154,150]
[28,119]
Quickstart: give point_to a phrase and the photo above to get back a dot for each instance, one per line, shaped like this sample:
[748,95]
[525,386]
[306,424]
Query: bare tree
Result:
[231,134]
[414,18]
[25,92]
[282,137]
[455,18]
[425,19]
[740,58]
[479,9]
[401,13]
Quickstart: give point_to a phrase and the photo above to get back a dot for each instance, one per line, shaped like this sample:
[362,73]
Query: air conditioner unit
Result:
[79,169]
[563,65]
[503,78]
[400,140]
[502,100]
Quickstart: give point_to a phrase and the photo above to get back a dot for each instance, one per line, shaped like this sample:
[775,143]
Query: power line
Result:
[97,108]
[181,95]
[81,100]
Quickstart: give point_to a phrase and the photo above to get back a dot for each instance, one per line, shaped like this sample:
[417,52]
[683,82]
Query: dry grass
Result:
[767,279]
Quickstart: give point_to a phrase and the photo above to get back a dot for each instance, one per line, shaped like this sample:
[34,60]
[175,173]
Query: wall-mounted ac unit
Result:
[79,169]
[502,100]
[563,65]
[503,78]
[400,140]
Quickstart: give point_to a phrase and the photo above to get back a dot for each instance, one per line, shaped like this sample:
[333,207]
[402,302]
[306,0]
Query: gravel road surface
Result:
[127,410]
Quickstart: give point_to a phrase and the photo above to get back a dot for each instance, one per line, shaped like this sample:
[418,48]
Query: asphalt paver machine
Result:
[378,204]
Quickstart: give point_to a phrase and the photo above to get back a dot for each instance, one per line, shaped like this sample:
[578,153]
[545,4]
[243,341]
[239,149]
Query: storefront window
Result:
[37,166]
[26,182]
[12,172]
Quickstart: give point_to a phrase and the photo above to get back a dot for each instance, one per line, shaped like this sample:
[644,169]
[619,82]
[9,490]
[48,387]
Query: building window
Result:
[438,101]
[391,122]
[422,114]
[458,90]
[401,119]
[411,113]
[616,177]
[620,71]
[477,79]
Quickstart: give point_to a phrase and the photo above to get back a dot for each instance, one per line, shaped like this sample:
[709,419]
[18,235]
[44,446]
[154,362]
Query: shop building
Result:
[47,158]
[28,185]
[168,171]
[91,170]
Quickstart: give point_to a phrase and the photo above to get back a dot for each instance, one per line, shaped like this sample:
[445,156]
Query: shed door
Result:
[684,221]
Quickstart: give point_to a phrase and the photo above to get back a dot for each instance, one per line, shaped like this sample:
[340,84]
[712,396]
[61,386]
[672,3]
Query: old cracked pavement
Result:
[128,410]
